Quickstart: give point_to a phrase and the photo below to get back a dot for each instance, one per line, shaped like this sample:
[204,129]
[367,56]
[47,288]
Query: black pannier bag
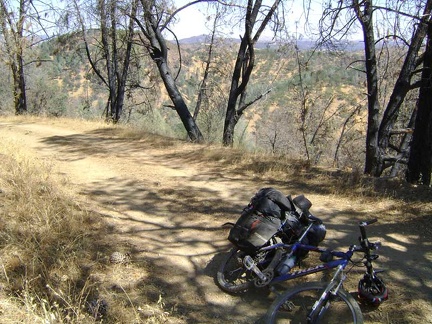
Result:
[317,232]
[252,231]
[270,202]
[260,220]
[295,225]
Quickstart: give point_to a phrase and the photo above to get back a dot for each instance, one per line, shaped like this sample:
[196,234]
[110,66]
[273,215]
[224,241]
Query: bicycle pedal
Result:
[287,307]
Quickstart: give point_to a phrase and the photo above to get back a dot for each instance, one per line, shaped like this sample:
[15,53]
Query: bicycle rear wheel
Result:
[294,306]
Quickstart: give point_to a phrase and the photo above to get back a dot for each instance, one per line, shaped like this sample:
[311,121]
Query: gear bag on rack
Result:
[252,231]
[260,220]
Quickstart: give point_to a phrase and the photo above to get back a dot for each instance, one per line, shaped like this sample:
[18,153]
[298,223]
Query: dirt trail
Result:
[167,208]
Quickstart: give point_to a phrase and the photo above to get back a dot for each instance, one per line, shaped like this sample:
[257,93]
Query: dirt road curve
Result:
[166,206]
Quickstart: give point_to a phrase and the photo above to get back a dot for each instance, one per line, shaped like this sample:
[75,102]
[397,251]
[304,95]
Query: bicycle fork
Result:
[323,303]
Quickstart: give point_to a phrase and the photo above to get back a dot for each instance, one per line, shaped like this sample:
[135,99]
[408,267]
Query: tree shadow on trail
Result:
[181,241]
[106,142]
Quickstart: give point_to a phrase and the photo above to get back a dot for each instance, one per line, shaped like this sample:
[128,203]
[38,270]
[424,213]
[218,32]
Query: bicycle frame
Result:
[343,260]
[332,289]
[331,296]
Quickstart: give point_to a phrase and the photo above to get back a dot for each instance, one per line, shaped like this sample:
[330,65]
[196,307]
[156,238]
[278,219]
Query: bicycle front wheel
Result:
[294,306]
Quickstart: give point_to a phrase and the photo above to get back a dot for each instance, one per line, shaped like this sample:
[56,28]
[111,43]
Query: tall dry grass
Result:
[43,233]
[50,249]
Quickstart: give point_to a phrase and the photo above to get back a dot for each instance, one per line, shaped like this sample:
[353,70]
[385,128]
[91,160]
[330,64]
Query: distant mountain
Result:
[267,42]
[194,39]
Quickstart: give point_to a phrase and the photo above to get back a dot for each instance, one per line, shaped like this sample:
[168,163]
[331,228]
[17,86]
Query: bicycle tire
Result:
[232,277]
[294,305]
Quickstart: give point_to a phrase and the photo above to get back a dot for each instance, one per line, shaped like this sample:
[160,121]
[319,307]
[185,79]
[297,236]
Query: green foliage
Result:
[44,96]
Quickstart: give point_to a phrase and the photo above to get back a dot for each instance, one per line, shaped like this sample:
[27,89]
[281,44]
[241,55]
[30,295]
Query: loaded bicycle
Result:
[263,239]
[270,264]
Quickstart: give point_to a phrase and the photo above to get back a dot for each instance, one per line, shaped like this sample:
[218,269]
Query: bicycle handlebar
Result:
[366,223]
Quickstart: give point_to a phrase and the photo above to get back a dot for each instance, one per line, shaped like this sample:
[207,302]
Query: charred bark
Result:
[364,13]
[155,43]
[401,88]
[420,159]
[243,68]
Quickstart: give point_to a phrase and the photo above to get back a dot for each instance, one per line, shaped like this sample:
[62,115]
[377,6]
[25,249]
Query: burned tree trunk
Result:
[420,159]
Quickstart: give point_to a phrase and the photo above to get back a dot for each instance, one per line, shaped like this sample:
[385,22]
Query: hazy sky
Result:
[192,19]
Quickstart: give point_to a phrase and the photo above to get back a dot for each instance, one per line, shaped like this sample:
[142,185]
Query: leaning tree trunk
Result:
[419,163]
[242,71]
[179,104]
[155,43]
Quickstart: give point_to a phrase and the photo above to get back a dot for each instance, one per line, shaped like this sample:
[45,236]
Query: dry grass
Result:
[51,251]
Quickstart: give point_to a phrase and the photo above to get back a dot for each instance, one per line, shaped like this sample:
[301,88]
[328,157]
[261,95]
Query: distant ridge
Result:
[266,42]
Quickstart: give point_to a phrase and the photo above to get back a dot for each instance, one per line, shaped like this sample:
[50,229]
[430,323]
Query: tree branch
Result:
[242,109]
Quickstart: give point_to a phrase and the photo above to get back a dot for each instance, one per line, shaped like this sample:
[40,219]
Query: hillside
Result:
[65,85]
[164,201]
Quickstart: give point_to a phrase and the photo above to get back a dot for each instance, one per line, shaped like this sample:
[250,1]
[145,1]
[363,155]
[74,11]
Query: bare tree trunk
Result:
[342,135]
[232,115]
[303,106]
[203,85]
[401,88]
[122,75]
[103,11]
[378,134]
[113,73]
[243,68]
[420,159]
[403,150]
[180,105]
[20,87]
[14,42]
[155,43]
[364,12]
